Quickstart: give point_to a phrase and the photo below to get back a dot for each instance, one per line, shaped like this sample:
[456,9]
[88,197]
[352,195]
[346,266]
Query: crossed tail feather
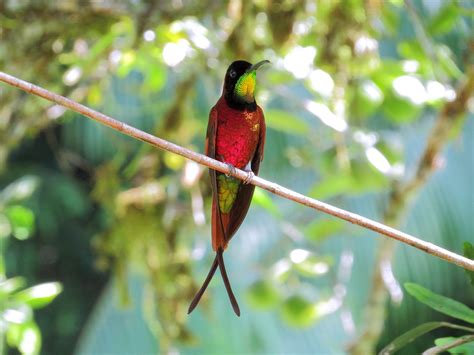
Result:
[218,261]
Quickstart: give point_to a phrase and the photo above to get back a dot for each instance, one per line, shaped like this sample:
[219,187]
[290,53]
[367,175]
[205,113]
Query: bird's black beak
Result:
[257,65]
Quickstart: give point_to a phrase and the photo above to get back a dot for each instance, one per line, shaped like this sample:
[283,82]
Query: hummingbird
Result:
[235,136]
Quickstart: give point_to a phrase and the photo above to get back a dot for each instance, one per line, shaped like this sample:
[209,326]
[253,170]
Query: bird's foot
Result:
[249,178]
[231,170]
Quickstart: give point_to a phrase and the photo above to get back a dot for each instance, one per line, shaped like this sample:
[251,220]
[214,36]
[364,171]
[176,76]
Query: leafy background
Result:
[353,91]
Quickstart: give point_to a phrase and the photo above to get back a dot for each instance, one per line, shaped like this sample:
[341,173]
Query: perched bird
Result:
[235,136]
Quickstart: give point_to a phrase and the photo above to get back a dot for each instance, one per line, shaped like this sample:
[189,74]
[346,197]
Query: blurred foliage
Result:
[18,328]
[354,87]
[441,304]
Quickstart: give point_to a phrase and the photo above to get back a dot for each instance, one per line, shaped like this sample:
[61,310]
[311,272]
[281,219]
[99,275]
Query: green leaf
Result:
[40,295]
[95,96]
[127,63]
[16,313]
[366,177]
[13,335]
[469,253]
[263,295]
[400,109]
[285,122]
[386,73]
[263,199]
[298,312]
[281,270]
[390,151]
[321,229]
[445,20]
[413,50]
[367,98]
[22,221]
[409,336]
[11,285]
[155,76]
[441,303]
[30,341]
[313,265]
[467,348]
[19,189]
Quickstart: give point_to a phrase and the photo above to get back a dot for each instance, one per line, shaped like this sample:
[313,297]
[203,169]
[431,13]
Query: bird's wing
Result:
[218,221]
[244,197]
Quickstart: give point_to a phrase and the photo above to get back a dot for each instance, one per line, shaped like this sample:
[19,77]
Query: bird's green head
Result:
[240,82]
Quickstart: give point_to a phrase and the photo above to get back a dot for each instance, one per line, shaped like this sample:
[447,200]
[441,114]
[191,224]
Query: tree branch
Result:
[124,128]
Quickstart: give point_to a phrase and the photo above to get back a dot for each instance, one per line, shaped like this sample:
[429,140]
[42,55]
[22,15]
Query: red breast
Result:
[237,134]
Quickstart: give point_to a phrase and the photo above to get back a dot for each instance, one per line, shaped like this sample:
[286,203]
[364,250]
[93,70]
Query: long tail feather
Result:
[203,288]
[233,301]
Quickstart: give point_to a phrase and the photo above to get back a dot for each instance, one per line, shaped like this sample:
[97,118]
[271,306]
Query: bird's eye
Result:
[232,74]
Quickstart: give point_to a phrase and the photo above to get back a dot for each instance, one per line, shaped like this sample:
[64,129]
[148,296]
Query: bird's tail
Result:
[218,261]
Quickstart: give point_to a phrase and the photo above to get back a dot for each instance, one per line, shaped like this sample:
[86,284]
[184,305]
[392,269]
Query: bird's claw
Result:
[231,170]
[249,178]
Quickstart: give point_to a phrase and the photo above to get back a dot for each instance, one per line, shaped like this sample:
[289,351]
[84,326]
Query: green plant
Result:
[445,305]
[17,303]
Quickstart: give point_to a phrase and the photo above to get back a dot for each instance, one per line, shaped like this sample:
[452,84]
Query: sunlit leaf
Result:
[298,312]
[391,151]
[326,115]
[413,50]
[285,122]
[30,342]
[40,295]
[127,63]
[16,313]
[281,270]
[469,253]
[263,295]
[313,266]
[386,73]
[22,221]
[367,98]
[464,349]
[11,285]
[441,303]
[19,189]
